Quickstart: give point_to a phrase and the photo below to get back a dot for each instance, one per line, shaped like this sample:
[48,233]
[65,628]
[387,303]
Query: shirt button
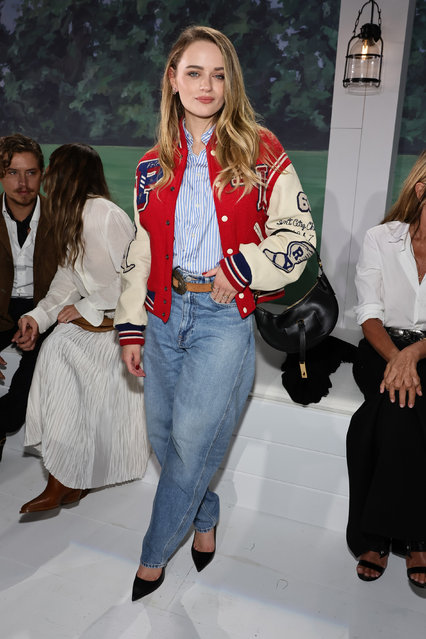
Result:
[163,315]
[165,288]
[224,218]
[229,251]
[167,222]
[244,310]
[167,257]
[241,295]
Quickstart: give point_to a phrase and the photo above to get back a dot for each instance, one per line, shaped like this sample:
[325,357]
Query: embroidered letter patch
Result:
[147,175]
[297,252]
[303,202]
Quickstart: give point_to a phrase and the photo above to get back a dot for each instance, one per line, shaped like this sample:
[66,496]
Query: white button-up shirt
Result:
[93,285]
[387,281]
[23,279]
[197,246]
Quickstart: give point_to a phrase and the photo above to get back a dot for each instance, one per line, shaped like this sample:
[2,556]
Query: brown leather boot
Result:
[53,496]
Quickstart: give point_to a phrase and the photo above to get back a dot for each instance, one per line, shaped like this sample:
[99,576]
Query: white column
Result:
[364,137]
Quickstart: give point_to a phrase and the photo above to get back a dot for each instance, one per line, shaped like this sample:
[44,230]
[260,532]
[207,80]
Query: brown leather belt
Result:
[181,286]
[107,325]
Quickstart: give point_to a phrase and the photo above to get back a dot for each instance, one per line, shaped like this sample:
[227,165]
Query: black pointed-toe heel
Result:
[202,559]
[142,587]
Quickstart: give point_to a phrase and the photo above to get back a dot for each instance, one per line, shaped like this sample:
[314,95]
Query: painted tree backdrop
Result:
[91,69]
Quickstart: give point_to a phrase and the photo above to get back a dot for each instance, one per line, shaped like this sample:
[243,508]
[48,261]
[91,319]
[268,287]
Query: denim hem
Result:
[152,565]
[206,530]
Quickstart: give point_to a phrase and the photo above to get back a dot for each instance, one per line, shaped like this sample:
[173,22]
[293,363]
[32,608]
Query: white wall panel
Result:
[363,141]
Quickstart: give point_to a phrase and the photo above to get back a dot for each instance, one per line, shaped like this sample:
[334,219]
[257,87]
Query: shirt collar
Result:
[204,138]
[35,215]
[399,232]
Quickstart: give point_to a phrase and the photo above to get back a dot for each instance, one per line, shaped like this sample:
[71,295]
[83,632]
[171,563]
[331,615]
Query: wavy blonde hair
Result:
[408,207]
[237,132]
[75,173]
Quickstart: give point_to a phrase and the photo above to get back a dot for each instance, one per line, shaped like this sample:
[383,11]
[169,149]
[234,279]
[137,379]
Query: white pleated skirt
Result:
[85,411]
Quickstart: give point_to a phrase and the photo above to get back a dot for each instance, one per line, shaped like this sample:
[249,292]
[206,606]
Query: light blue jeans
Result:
[199,371]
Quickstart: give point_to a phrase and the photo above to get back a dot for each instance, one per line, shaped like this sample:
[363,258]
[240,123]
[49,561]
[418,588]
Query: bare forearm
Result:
[376,335]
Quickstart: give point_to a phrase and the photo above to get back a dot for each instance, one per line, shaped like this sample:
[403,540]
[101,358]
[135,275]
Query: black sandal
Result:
[381,546]
[416,546]
[369,564]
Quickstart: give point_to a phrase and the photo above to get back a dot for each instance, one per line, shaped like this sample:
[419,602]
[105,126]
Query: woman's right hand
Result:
[25,338]
[131,356]
[401,375]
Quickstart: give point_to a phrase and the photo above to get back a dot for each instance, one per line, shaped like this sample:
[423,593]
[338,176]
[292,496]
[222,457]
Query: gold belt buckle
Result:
[181,286]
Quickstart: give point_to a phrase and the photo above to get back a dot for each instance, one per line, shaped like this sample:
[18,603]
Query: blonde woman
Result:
[220,213]
[84,413]
[386,444]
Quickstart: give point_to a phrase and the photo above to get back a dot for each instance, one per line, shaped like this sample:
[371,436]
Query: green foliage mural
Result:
[413,125]
[91,69]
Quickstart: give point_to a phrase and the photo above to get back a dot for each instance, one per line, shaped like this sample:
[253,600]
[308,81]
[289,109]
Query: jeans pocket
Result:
[232,304]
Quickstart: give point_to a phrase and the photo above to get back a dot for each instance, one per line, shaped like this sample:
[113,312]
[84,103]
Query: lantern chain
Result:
[362,9]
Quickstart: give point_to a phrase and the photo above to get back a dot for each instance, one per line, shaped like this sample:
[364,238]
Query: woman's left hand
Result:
[401,375]
[223,292]
[68,314]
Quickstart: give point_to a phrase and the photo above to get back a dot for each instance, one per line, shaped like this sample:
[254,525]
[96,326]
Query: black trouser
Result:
[13,405]
[386,455]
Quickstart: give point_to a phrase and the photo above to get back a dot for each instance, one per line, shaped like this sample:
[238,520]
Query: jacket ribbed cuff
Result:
[237,271]
[130,334]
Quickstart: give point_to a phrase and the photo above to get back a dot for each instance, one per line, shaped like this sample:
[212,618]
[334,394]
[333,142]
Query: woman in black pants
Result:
[386,443]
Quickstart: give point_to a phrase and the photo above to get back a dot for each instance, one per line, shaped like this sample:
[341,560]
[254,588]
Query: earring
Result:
[174,90]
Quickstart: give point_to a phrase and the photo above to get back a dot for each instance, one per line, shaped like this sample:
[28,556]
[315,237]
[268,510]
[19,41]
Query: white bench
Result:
[285,459]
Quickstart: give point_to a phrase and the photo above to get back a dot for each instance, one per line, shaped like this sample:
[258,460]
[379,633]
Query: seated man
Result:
[27,263]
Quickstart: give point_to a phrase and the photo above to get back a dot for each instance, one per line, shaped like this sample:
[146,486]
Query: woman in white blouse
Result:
[85,413]
[386,444]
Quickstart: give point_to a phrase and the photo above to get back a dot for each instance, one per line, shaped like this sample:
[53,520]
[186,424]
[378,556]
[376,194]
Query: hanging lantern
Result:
[364,55]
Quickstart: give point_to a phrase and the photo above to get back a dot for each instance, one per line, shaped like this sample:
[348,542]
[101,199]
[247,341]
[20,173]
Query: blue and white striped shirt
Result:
[197,246]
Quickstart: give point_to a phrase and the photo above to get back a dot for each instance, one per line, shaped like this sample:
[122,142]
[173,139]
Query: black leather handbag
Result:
[305,323]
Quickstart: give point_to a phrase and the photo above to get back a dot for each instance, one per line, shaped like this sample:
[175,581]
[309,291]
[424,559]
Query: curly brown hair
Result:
[18,143]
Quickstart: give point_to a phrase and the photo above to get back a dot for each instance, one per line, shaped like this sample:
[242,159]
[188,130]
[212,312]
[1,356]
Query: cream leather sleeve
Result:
[280,258]
[135,271]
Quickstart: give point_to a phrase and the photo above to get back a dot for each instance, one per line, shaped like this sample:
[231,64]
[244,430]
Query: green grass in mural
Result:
[311,166]
[403,166]
[120,164]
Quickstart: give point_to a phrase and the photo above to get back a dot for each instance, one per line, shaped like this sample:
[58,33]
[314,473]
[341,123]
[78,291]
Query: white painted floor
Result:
[68,574]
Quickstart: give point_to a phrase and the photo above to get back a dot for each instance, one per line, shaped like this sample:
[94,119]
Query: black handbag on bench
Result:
[305,323]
